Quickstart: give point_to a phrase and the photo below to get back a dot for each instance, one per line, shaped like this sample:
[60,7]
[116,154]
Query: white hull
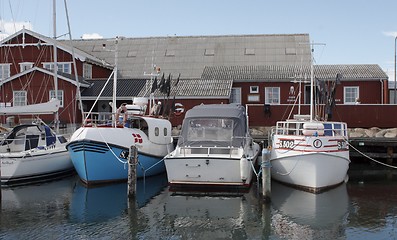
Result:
[313,171]
[224,170]
[32,165]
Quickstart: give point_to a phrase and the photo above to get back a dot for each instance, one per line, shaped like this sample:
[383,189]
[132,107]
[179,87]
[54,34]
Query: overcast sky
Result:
[354,31]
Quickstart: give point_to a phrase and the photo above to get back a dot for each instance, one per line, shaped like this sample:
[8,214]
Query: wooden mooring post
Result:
[266,175]
[132,176]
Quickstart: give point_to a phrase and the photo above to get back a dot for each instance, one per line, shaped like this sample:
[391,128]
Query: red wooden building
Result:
[27,75]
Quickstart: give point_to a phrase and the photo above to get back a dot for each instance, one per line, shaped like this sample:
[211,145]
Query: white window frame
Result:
[272,95]
[23,66]
[235,96]
[19,98]
[60,96]
[254,89]
[5,70]
[87,71]
[65,67]
[347,99]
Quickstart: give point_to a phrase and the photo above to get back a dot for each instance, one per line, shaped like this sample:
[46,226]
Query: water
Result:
[364,208]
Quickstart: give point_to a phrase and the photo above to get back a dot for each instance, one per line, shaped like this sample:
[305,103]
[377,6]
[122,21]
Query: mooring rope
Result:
[370,158]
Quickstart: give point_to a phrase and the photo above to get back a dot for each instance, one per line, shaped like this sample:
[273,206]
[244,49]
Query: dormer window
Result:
[25,66]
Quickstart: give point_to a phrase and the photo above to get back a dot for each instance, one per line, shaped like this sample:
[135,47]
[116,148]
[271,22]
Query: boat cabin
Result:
[29,136]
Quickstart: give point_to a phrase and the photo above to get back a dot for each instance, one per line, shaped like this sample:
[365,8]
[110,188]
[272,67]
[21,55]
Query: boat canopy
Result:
[220,125]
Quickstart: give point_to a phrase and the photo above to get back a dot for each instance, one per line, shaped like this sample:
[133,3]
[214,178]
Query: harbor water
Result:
[363,208]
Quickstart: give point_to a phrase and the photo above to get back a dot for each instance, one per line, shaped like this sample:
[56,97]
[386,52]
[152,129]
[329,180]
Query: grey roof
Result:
[288,73]
[126,89]
[185,88]
[189,55]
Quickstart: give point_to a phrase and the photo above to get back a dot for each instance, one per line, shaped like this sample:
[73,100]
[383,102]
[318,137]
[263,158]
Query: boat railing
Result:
[229,149]
[22,143]
[97,118]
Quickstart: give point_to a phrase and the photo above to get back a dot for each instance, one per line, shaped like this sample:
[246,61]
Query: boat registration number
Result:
[286,144]
[342,145]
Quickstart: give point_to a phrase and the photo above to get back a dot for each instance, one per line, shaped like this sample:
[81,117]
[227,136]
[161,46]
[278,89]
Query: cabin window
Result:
[87,70]
[60,96]
[235,96]
[25,66]
[64,67]
[327,129]
[19,98]
[272,95]
[338,130]
[351,95]
[165,132]
[4,71]
[156,131]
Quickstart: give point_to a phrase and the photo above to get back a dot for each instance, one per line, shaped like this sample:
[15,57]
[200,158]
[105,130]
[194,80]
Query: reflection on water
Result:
[67,209]
[304,215]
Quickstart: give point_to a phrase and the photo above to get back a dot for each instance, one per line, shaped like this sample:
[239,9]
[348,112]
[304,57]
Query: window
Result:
[165,132]
[156,131]
[254,89]
[253,98]
[25,66]
[235,96]
[272,95]
[351,95]
[4,71]
[60,96]
[62,67]
[19,98]
[87,70]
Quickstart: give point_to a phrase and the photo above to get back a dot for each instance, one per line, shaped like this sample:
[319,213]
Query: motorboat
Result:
[214,149]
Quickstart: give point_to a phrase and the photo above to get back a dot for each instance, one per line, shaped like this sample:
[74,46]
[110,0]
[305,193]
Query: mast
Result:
[55,64]
[311,87]
[114,105]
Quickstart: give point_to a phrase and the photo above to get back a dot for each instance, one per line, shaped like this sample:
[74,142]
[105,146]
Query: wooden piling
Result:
[132,162]
[266,175]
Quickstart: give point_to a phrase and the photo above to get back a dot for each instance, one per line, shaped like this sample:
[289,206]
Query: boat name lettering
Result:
[342,145]
[287,144]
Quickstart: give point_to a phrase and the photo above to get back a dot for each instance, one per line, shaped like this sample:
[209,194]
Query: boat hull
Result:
[210,171]
[100,155]
[96,162]
[314,172]
[30,166]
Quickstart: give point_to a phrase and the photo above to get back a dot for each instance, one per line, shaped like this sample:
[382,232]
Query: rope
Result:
[370,158]
[110,149]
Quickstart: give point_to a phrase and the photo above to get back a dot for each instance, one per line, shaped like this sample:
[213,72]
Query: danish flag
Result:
[137,138]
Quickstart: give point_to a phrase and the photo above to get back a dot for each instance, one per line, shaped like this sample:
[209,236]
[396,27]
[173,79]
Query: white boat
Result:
[33,152]
[214,149]
[308,153]
[100,152]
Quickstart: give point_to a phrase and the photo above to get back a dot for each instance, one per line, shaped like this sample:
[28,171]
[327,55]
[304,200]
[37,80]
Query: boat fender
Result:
[244,168]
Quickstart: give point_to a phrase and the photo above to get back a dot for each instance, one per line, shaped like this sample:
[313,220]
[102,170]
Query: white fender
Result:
[244,168]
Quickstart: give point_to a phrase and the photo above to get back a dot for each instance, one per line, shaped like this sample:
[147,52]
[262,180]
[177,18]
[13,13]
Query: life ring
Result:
[179,109]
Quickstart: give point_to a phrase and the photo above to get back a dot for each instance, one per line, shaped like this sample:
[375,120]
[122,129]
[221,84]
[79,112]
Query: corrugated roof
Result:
[286,73]
[185,88]
[189,55]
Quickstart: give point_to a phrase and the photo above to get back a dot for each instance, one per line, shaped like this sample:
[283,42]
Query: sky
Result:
[353,31]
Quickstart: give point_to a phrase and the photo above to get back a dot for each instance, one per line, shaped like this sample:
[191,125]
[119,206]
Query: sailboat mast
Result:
[55,64]
[311,87]
[114,105]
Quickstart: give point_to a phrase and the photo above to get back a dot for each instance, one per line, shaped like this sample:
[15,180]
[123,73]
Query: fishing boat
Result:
[33,152]
[99,152]
[214,149]
[308,151]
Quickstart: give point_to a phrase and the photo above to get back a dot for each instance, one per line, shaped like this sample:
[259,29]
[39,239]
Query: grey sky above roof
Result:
[189,55]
